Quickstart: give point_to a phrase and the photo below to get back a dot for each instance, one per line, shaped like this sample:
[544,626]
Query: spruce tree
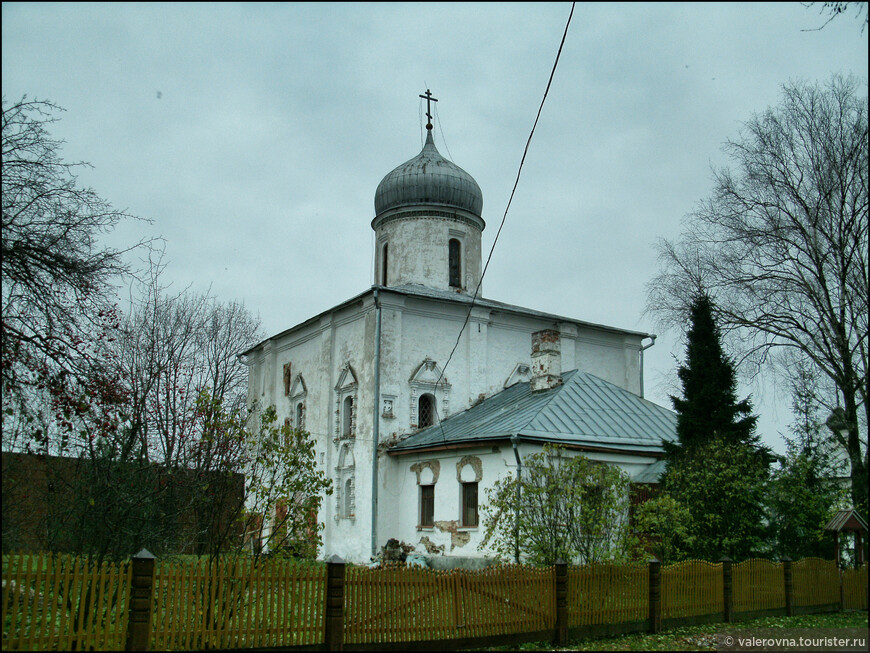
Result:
[709,409]
[716,468]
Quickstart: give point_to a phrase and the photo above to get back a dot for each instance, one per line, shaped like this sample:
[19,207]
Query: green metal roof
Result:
[583,411]
[651,474]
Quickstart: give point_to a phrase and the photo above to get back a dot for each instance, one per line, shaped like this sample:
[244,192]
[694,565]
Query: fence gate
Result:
[395,604]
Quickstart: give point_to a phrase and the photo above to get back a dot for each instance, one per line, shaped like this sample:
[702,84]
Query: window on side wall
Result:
[454,253]
[299,411]
[469,504]
[347,417]
[348,498]
[426,410]
[427,505]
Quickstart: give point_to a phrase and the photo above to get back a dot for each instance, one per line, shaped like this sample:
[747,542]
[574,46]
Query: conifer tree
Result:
[714,468]
[709,408]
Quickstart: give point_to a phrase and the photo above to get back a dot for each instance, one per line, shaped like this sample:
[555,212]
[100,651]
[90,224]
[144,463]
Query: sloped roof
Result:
[417,290]
[450,296]
[651,474]
[847,520]
[584,411]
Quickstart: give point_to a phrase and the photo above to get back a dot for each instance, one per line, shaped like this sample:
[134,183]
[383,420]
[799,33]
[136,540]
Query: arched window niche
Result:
[297,396]
[347,417]
[427,472]
[428,379]
[345,403]
[469,473]
[346,499]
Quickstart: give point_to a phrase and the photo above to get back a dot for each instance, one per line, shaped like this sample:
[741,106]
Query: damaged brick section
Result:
[433,465]
[457,537]
[431,547]
[476,465]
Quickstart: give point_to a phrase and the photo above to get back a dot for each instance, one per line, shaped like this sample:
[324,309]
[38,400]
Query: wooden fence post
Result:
[655,595]
[841,573]
[561,602]
[334,618]
[727,588]
[789,586]
[141,601]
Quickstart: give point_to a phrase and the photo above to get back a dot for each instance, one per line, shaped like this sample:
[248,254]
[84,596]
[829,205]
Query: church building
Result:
[411,442]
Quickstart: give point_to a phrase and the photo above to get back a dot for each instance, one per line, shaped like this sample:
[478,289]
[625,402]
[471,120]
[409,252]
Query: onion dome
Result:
[429,179]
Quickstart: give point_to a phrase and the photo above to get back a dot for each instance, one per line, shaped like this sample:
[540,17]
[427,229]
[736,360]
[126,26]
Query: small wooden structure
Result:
[849,521]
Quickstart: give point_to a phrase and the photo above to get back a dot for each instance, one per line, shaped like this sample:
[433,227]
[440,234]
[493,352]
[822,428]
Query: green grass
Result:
[694,638]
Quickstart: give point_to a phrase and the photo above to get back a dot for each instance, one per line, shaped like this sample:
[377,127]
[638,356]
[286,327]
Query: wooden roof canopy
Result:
[847,520]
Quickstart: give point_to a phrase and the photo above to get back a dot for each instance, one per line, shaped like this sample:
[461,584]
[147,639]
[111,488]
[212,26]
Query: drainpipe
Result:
[514,442]
[376,426]
[652,341]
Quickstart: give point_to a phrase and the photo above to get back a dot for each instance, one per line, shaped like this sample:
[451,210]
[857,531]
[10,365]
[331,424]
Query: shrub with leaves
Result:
[666,526]
[562,506]
[284,488]
[723,486]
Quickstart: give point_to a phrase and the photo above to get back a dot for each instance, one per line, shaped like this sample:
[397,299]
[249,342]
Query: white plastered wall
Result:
[413,329]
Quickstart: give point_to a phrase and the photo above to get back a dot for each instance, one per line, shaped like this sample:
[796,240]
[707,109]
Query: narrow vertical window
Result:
[347,417]
[345,502]
[426,411]
[348,498]
[287,435]
[455,263]
[299,424]
[469,504]
[427,505]
[384,264]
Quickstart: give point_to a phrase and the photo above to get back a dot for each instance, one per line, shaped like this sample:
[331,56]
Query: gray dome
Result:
[429,178]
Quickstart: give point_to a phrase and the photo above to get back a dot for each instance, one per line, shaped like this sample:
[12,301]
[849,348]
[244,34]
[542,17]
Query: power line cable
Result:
[507,208]
[441,129]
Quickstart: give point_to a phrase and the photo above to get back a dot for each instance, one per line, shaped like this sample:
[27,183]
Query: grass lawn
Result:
[695,638]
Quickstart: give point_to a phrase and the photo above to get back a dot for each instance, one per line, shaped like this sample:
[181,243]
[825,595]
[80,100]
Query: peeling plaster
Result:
[476,465]
[434,465]
[457,537]
[431,547]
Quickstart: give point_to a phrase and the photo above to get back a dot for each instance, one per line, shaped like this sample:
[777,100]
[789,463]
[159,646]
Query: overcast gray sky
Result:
[254,135]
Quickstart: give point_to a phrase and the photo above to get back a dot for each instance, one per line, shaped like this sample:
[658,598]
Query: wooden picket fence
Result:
[607,593]
[758,585]
[61,602]
[816,582]
[56,602]
[692,588]
[233,603]
[402,604]
[854,588]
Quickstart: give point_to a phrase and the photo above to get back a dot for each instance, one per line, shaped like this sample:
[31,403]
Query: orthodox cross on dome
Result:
[429,99]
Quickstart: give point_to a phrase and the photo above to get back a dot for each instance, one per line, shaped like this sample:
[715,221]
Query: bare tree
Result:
[177,354]
[57,299]
[171,349]
[834,9]
[119,397]
[781,247]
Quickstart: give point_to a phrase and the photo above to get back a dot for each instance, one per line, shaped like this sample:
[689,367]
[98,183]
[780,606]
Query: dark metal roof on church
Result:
[414,290]
[428,179]
[452,296]
[584,411]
